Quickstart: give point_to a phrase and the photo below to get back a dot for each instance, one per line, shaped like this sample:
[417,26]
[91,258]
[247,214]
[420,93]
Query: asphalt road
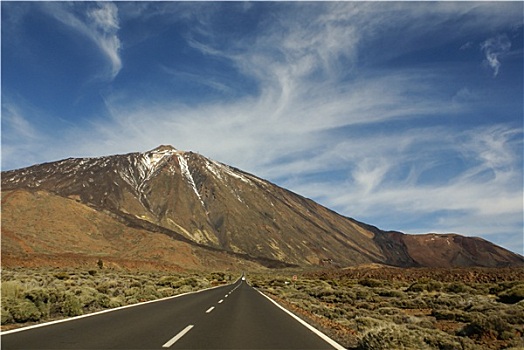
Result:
[228,317]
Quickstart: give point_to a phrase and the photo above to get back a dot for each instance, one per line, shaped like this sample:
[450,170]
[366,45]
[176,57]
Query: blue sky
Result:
[404,115]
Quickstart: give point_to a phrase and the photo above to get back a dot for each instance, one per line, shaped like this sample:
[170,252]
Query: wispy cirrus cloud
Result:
[16,126]
[98,22]
[424,180]
[495,48]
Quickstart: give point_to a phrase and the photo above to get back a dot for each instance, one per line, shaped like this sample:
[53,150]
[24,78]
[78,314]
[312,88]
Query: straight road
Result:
[229,317]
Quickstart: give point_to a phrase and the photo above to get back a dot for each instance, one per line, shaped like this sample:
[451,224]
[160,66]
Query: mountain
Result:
[209,208]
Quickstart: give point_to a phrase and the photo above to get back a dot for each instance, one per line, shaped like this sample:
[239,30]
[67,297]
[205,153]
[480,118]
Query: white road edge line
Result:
[210,309]
[178,336]
[327,339]
[100,312]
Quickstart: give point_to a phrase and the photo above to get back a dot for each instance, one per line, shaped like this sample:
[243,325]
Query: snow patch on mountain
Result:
[187,174]
[216,168]
[153,158]
[212,168]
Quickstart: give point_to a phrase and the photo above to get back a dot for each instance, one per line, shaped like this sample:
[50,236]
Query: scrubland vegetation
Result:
[362,309]
[412,309]
[30,295]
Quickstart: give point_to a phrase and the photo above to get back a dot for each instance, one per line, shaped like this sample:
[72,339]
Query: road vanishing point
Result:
[234,316]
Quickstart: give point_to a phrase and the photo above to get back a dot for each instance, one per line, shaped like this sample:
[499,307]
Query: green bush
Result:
[370,282]
[392,293]
[25,311]
[169,281]
[389,337]
[6,314]
[106,286]
[363,294]
[115,302]
[71,306]
[417,287]
[131,291]
[62,275]
[513,295]
[40,298]
[37,295]
[443,314]
[11,289]
[492,326]
[433,286]
[166,292]
[457,287]
[88,298]
[103,300]
[502,286]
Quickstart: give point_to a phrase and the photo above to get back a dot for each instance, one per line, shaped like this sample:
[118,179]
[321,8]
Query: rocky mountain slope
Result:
[213,208]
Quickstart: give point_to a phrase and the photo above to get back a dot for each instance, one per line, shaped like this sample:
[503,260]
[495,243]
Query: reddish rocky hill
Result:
[212,208]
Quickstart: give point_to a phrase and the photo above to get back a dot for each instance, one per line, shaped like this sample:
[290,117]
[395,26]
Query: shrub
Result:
[417,287]
[166,292]
[170,281]
[37,295]
[71,306]
[389,311]
[370,282]
[11,289]
[61,275]
[513,295]
[88,298]
[365,323]
[434,286]
[416,303]
[457,287]
[116,302]
[25,311]
[131,291]
[492,326]
[40,298]
[514,315]
[391,336]
[502,286]
[103,300]
[6,314]
[106,286]
[393,293]
[363,294]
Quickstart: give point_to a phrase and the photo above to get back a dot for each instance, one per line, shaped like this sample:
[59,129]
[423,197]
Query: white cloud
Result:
[494,48]
[484,197]
[15,123]
[21,140]
[465,95]
[105,17]
[98,22]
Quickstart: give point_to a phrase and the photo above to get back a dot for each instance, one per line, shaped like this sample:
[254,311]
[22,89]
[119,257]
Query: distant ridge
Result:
[209,208]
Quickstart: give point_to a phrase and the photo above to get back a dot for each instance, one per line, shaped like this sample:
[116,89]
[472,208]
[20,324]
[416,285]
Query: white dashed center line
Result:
[220,301]
[210,309]
[177,337]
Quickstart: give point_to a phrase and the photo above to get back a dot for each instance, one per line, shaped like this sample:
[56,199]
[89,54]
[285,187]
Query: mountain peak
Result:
[155,157]
[164,149]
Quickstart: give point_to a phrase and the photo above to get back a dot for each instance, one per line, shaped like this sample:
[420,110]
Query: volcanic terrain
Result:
[174,209]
